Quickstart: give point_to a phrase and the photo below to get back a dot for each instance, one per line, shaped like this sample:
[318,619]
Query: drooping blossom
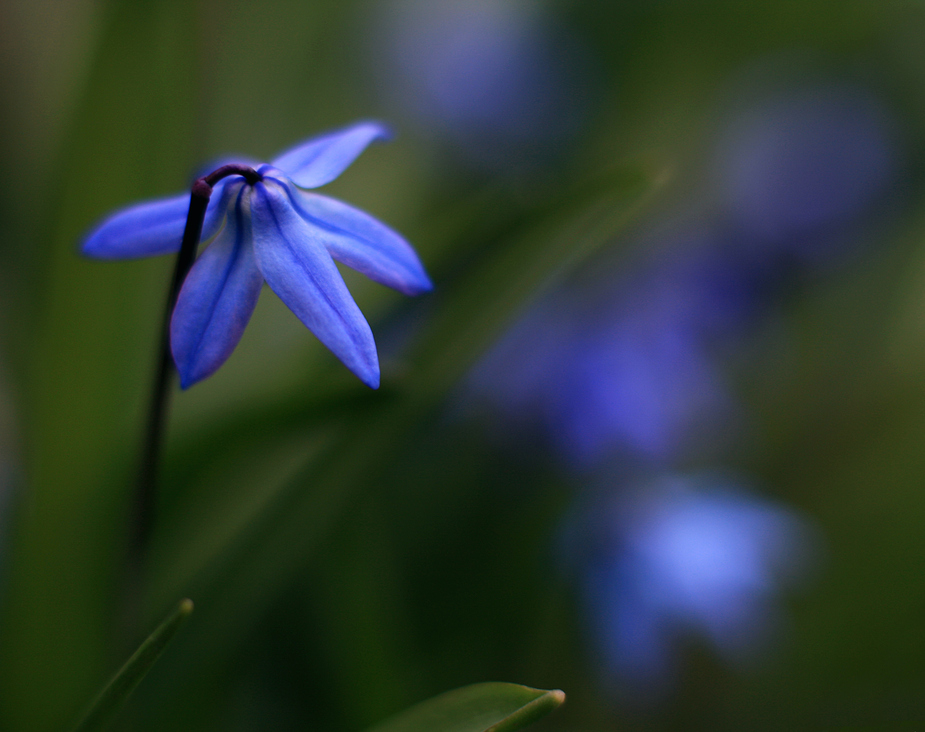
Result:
[273,230]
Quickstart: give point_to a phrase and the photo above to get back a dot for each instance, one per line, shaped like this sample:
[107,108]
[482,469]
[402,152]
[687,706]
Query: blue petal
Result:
[225,194]
[322,159]
[142,230]
[215,302]
[361,242]
[153,227]
[298,268]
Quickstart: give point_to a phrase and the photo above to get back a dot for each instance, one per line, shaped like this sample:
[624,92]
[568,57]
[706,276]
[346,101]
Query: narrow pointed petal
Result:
[298,268]
[224,194]
[361,242]
[142,230]
[153,227]
[322,159]
[215,303]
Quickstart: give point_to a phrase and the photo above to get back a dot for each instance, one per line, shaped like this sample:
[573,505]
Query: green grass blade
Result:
[118,690]
[494,707]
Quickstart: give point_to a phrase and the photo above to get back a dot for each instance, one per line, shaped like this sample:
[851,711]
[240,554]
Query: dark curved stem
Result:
[245,171]
[145,492]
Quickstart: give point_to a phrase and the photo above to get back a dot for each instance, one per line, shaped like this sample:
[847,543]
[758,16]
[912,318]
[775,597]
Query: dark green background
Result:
[352,552]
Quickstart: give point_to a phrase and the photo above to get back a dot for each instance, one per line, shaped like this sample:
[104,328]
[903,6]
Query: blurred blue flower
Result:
[626,362]
[686,557]
[271,231]
[646,388]
[497,78]
[800,167]
[624,366]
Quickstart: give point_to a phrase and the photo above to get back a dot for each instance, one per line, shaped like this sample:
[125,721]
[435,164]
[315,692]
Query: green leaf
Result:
[497,707]
[118,690]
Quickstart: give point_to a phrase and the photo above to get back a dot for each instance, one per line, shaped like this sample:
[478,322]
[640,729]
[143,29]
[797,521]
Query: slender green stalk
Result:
[112,698]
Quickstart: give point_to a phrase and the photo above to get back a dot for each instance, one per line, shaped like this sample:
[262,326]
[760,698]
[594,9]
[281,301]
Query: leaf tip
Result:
[185,607]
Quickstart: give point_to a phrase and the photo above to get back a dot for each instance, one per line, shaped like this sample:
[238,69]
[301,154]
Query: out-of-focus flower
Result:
[686,557]
[625,367]
[272,231]
[628,365]
[494,77]
[800,167]
[640,387]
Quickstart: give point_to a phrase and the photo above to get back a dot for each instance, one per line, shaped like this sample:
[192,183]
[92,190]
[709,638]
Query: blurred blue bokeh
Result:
[680,557]
[626,367]
[799,169]
[502,83]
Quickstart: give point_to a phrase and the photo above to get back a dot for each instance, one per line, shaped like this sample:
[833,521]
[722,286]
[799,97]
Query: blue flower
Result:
[502,82]
[800,169]
[624,367]
[273,231]
[686,556]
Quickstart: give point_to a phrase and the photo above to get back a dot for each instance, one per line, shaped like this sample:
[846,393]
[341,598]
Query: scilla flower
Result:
[268,228]
[684,556]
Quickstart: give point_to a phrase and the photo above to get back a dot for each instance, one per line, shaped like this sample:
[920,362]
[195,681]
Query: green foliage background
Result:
[352,552]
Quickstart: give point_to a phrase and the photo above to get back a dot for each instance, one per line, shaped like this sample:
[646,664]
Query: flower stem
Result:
[145,490]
